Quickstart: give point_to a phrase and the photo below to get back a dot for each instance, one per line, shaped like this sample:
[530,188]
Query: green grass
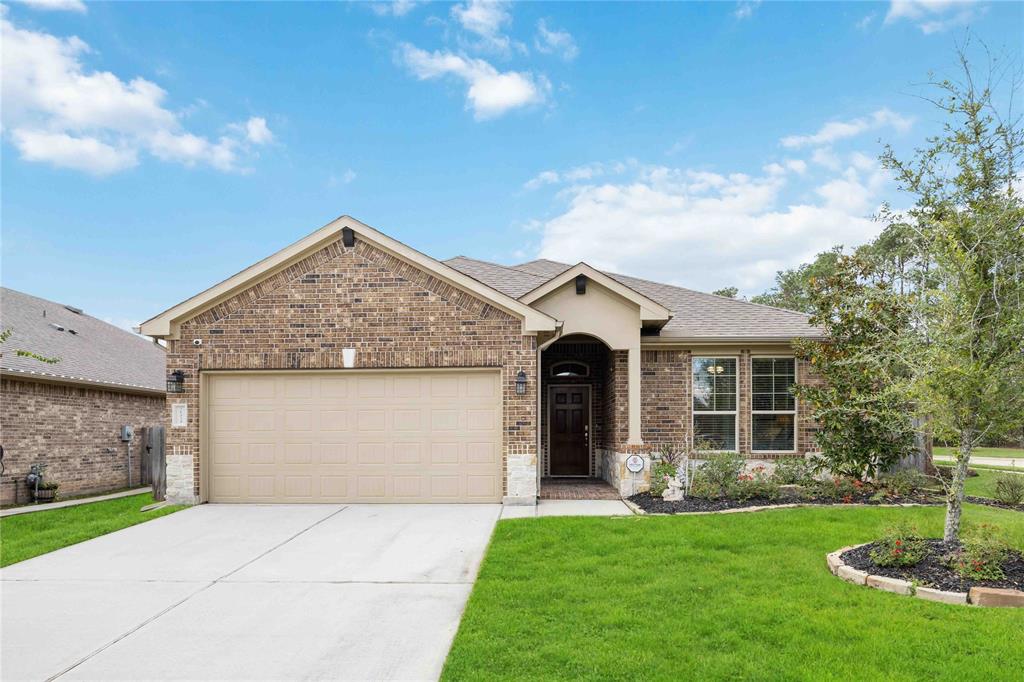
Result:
[729,596]
[1006,453]
[984,484]
[24,536]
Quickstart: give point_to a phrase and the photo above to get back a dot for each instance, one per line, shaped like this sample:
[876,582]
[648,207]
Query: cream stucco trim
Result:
[166,324]
[650,310]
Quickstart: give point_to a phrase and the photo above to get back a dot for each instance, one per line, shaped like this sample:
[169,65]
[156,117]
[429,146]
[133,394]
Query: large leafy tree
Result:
[964,346]
[862,405]
[792,288]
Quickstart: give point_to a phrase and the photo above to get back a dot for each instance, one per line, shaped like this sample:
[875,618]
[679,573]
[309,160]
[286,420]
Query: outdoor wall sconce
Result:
[521,383]
[176,382]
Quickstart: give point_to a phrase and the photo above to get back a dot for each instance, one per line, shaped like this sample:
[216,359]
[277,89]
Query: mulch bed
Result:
[993,503]
[930,571]
[656,505]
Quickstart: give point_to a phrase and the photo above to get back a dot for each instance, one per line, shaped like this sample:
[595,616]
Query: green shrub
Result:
[983,551]
[717,475]
[794,471]
[900,545]
[904,482]
[1010,488]
[661,473]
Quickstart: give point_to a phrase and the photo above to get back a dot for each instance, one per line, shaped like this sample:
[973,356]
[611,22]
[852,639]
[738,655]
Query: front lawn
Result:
[984,484]
[725,596]
[1007,453]
[24,536]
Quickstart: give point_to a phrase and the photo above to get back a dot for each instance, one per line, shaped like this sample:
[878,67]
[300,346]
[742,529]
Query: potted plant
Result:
[47,491]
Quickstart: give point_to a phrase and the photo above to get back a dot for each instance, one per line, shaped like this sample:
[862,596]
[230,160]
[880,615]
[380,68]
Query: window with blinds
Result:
[715,397]
[772,406]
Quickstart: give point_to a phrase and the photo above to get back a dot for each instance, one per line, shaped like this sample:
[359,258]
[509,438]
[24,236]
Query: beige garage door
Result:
[354,437]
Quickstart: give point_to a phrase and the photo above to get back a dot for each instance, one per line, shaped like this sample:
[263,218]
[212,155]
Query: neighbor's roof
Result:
[695,315]
[90,351]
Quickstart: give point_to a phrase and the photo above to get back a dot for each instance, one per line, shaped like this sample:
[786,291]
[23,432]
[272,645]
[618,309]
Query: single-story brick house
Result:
[350,367]
[68,415]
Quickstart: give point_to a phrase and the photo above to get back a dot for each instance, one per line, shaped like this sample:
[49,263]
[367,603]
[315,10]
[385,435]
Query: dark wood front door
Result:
[569,414]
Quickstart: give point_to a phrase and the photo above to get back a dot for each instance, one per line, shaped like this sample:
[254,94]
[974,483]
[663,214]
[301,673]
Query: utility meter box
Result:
[126,433]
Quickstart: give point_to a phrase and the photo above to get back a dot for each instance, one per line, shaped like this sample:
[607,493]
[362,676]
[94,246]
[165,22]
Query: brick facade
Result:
[395,316]
[75,431]
[667,403]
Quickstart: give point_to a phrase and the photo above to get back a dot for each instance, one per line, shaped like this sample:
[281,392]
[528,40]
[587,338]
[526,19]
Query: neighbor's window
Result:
[714,402]
[773,407]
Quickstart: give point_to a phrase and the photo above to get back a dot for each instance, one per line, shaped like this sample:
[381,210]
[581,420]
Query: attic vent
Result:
[57,327]
[72,331]
[76,311]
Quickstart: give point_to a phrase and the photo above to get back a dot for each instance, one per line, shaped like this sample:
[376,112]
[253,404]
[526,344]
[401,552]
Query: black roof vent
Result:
[76,311]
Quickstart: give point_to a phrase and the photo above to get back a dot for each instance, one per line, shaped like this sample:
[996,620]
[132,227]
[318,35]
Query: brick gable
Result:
[395,316]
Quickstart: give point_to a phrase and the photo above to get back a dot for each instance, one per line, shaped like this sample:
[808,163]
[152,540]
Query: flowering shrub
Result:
[900,546]
[841,488]
[661,474]
[983,551]
[757,483]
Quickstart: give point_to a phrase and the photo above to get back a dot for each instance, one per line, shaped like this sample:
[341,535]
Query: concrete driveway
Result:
[249,592]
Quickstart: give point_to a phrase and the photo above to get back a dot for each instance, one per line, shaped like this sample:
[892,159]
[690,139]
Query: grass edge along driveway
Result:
[24,536]
[729,596]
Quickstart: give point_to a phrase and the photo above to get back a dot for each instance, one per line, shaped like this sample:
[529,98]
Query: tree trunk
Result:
[955,492]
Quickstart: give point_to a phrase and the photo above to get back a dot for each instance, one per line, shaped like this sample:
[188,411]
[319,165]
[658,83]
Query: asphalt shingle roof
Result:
[696,315]
[97,352]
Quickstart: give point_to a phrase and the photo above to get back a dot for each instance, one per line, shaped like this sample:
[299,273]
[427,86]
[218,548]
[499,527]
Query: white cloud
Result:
[486,19]
[834,131]
[490,93]
[745,10]
[395,8]
[257,132]
[555,41]
[933,16]
[56,5]
[865,21]
[57,111]
[578,174]
[79,153]
[702,229]
[825,156]
[345,178]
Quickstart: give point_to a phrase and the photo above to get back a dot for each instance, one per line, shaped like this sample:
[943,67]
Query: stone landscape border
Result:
[637,509]
[977,596]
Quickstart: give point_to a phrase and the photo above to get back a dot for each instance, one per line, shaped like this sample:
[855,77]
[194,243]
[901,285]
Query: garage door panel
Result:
[388,436]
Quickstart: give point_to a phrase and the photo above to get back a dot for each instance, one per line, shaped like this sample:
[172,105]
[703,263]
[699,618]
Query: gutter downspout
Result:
[540,375]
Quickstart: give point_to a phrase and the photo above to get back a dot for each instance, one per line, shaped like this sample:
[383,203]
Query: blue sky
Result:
[152,149]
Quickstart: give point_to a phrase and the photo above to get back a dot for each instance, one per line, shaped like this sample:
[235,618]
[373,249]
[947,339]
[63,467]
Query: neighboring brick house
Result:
[350,367]
[68,415]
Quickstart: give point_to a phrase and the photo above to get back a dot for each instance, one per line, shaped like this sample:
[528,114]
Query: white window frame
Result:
[796,404]
[735,413]
[553,373]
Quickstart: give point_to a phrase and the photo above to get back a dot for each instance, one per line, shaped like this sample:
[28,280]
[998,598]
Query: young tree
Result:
[862,407]
[964,348]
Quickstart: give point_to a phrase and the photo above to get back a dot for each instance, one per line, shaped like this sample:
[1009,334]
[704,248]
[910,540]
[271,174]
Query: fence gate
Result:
[154,461]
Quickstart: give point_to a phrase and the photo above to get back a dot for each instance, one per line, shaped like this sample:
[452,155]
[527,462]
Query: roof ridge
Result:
[539,260]
[499,265]
[704,293]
